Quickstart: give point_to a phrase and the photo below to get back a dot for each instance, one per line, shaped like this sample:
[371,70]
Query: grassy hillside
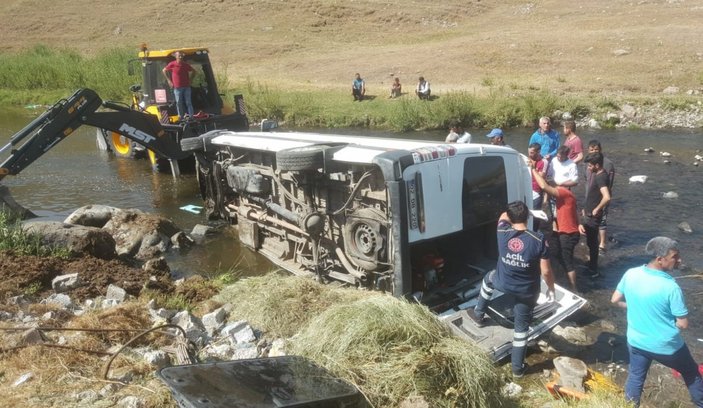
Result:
[597,47]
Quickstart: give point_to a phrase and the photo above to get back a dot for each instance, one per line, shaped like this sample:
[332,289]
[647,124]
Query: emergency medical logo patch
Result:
[516,245]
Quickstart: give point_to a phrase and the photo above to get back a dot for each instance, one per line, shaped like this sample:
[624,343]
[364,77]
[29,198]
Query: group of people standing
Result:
[422,89]
[656,311]
[555,176]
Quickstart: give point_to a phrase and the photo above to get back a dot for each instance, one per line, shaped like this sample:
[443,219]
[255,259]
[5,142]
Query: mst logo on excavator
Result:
[78,105]
[137,134]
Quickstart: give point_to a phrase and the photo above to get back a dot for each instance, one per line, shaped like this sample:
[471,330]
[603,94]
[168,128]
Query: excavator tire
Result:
[121,146]
[300,158]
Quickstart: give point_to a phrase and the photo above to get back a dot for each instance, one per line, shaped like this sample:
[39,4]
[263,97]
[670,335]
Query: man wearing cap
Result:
[496,137]
[656,314]
[547,137]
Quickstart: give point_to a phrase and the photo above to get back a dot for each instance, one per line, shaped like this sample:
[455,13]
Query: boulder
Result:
[140,235]
[628,111]
[65,283]
[92,215]
[671,90]
[78,239]
[192,325]
[156,266]
[685,227]
[572,372]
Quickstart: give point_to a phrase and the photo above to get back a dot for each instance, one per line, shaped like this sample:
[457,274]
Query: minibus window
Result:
[485,190]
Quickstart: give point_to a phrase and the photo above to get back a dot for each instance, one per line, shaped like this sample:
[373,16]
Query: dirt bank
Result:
[597,47]
[32,275]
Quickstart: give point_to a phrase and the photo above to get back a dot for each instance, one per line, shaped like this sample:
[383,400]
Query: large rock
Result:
[140,235]
[572,372]
[77,238]
[92,215]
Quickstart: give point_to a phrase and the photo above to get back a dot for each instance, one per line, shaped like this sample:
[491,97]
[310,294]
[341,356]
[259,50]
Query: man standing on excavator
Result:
[181,76]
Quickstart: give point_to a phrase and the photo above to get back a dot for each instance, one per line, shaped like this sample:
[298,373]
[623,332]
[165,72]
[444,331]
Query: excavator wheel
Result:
[121,146]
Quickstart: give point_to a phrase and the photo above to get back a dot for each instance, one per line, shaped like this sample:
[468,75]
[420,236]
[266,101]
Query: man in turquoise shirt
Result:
[656,313]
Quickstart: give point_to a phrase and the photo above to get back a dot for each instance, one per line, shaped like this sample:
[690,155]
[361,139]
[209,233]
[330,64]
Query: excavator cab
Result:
[156,97]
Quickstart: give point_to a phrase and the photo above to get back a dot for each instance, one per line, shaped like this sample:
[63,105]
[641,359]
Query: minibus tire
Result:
[300,158]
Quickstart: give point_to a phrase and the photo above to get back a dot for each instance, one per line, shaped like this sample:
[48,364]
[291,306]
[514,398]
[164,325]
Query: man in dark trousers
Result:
[656,314]
[609,168]
[597,198]
[523,257]
[358,88]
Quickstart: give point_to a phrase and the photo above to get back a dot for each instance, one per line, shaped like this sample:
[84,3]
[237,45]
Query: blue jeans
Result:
[522,311]
[183,101]
[681,361]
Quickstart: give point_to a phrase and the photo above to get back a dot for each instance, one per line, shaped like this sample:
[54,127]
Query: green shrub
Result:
[14,238]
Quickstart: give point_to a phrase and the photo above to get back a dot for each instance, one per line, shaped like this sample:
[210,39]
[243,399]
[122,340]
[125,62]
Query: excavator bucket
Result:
[9,205]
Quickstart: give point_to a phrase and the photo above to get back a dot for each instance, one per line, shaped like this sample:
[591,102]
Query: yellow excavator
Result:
[148,127]
[155,97]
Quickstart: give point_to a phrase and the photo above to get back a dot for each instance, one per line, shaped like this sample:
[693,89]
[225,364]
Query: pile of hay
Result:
[389,348]
[392,349]
[281,304]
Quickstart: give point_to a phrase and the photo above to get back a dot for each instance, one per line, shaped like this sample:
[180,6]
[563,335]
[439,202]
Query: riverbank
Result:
[499,64]
[600,47]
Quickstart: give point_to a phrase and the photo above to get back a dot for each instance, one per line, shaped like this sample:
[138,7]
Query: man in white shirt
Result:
[563,170]
[423,89]
[457,134]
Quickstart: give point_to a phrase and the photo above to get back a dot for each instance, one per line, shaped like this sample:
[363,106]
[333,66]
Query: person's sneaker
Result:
[521,372]
[602,251]
[478,321]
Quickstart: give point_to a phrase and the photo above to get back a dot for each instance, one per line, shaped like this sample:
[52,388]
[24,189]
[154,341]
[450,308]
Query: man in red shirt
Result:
[541,166]
[181,76]
[573,141]
[567,223]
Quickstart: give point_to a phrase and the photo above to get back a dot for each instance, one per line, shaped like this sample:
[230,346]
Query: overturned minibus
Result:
[413,218]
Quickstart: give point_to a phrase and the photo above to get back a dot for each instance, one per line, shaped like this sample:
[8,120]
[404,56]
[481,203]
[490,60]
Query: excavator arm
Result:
[81,108]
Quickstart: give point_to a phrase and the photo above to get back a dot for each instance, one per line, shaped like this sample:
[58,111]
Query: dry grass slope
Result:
[599,46]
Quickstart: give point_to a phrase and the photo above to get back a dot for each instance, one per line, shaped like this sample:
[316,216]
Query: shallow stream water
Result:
[75,173]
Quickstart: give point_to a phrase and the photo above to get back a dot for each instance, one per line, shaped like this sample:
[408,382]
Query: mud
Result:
[32,276]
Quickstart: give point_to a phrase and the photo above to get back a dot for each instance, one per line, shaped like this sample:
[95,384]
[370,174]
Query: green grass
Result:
[13,238]
[42,75]
[334,109]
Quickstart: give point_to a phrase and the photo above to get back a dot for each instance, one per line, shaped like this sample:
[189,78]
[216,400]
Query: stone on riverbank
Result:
[78,239]
[685,227]
[572,372]
[92,215]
